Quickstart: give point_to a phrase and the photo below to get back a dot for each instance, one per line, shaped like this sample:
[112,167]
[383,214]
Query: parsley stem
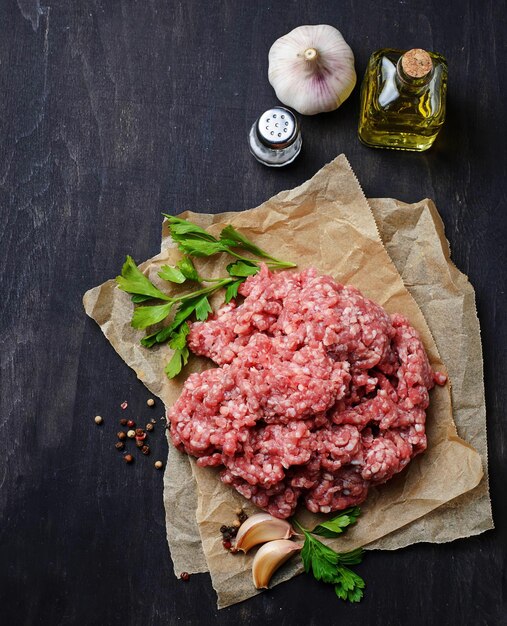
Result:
[298,524]
[206,290]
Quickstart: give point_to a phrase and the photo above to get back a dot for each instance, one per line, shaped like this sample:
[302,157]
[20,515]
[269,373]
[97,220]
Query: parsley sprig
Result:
[193,241]
[329,566]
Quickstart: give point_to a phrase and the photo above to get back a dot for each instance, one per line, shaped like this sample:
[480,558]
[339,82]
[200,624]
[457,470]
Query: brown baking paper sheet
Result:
[327,223]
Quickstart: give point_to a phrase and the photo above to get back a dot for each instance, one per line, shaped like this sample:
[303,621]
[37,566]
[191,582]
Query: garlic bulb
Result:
[311,69]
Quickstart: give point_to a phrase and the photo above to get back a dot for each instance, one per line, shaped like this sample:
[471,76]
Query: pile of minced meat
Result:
[318,393]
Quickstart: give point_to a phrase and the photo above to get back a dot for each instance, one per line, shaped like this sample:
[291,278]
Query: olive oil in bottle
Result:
[403,99]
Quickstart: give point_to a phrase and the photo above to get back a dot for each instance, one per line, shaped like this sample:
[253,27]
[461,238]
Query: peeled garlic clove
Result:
[268,559]
[311,69]
[260,528]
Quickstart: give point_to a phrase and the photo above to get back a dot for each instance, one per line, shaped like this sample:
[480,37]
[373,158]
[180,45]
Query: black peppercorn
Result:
[145,449]
[123,422]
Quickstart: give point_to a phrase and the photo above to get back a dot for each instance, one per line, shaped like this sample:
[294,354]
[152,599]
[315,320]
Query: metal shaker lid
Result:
[277,128]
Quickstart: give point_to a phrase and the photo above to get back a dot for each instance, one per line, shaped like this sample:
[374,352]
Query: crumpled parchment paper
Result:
[327,222]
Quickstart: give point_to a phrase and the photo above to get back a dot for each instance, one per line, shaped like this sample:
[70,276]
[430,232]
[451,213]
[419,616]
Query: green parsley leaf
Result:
[242,268]
[145,316]
[203,309]
[172,274]
[235,238]
[184,311]
[150,340]
[177,362]
[188,270]
[179,339]
[349,585]
[133,281]
[232,291]
[179,359]
[352,558]
[200,247]
[335,526]
[137,299]
[180,228]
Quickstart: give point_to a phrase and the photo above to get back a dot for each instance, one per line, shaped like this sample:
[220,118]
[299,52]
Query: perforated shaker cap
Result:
[277,128]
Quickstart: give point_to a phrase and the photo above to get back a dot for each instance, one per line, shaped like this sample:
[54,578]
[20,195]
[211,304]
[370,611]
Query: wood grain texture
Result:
[113,111]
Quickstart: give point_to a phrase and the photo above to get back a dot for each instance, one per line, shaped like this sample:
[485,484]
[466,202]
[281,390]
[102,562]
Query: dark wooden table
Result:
[112,112]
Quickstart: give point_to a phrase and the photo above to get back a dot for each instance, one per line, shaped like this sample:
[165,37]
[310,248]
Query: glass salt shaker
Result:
[275,138]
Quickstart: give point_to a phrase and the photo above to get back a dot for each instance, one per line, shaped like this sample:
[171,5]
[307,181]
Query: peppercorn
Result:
[223,529]
[145,450]
[131,424]
[242,517]
[153,420]
[238,511]
[158,465]
[184,576]
[227,544]
[124,405]
[149,427]
[139,432]
[150,402]
[236,523]
[128,458]
[121,435]
[120,445]
[131,434]
[139,443]
[123,422]
[98,420]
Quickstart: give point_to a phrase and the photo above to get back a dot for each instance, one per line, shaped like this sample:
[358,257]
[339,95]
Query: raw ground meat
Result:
[319,393]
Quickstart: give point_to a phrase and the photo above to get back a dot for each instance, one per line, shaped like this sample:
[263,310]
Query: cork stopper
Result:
[416,63]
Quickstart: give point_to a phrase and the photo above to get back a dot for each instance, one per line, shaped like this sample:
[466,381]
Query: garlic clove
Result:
[260,528]
[311,69]
[269,558]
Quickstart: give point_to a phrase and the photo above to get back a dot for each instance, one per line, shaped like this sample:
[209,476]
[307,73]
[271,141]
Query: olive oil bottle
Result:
[403,99]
